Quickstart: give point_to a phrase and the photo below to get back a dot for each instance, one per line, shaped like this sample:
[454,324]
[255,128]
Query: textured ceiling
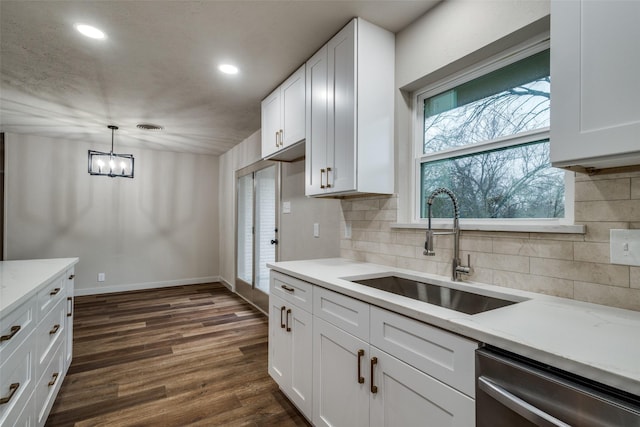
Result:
[159,65]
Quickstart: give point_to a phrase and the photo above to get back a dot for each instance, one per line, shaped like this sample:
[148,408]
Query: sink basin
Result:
[454,299]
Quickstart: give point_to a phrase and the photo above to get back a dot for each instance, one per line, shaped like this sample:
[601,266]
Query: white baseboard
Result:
[148,285]
[226,283]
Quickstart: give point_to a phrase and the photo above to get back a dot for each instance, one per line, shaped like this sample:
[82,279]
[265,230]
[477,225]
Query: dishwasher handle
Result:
[524,409]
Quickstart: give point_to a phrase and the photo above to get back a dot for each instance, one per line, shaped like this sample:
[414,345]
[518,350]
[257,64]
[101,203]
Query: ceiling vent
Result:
[148,126]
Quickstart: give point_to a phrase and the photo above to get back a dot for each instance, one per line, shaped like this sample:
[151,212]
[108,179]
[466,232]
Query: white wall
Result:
[160,228]
[296,228]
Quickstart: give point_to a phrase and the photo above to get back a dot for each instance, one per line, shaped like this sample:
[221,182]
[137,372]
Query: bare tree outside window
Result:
[513,182]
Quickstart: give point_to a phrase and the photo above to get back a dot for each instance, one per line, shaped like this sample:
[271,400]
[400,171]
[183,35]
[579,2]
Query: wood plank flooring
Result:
[186,355]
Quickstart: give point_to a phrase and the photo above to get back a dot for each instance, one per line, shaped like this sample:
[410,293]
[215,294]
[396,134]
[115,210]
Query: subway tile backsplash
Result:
[566,265]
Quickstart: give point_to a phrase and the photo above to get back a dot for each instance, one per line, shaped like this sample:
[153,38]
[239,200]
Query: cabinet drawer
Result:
[443,355]
[50,295]
[48,385]
[17,381]
[293,291]
[342,311]
[49,334]
[15,327]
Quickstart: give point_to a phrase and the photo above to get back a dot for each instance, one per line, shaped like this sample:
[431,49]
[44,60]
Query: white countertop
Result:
[594,341]
[19,280]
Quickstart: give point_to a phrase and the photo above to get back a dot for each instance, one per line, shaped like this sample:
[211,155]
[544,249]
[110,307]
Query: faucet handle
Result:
[428,244]
[465,269]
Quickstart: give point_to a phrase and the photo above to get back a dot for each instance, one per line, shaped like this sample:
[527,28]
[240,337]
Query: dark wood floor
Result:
[186,355]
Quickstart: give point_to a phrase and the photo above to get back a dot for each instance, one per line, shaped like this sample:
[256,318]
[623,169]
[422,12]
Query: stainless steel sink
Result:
[454,299]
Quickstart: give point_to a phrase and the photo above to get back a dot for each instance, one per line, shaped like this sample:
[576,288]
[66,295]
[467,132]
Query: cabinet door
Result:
[270,119]
[317,105]
[300,323]
[340,400]
[292,93]
[70,275]
[279,343]
[408,397]
[594,76]
[341,148]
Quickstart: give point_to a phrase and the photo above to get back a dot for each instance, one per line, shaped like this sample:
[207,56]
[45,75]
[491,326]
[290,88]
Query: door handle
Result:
[288,313]
[274,241]
[12,390]
[321,174]
[374,362]
[328,170]
[519,406]
[282,325]
[360,377]
[14,330]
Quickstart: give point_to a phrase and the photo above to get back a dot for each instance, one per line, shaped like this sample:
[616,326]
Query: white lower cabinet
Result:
[35,352]
[290,351]
[371,367]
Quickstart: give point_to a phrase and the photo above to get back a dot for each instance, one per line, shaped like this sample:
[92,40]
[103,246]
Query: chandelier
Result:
[111,164]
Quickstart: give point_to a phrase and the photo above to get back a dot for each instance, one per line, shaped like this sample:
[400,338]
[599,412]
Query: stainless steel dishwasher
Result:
[517,392]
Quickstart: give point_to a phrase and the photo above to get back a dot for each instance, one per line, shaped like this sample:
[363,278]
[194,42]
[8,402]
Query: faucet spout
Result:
[457,267]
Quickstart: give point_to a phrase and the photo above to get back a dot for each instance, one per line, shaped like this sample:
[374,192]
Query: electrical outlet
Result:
[101,277]
[286,207]
[347,230]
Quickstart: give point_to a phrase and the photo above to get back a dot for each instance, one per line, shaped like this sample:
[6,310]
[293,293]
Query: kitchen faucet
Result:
[457,268]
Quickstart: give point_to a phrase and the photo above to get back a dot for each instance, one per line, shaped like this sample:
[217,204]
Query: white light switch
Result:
[286,207]
[625,247]
[101,277]
[316,229]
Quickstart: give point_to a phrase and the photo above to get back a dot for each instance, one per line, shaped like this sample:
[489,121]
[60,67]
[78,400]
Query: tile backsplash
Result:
[573,266]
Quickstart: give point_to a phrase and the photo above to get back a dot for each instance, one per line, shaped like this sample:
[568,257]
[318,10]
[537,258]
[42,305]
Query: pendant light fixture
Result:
[111,164]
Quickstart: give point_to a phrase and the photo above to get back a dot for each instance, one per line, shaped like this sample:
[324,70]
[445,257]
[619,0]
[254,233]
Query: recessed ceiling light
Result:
[228,68]
[89,31]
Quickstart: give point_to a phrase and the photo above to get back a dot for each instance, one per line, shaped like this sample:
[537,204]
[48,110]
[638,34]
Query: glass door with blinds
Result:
[257,230]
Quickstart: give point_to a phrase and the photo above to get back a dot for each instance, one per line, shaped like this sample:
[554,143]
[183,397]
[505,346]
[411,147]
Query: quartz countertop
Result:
[19,280]
[590,340]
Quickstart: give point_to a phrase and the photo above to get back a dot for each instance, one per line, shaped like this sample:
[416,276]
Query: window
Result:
[485,136]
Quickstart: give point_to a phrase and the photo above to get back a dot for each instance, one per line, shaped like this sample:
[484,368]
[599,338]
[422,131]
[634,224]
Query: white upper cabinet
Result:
[595,63]
[283,119]
[349,113]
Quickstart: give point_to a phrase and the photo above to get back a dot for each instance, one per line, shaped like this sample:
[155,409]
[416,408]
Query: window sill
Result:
[476,226]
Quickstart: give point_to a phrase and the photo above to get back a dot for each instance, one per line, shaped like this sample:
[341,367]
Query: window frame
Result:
[479,69]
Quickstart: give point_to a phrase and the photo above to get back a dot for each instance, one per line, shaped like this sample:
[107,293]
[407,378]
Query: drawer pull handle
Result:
[12,390]
[54,378]
[282,325]
[72,276]
[70,306]
[288,289]
[288,313]
[360,377]
[374,362]
[54,329]
[54,292]
[14,330]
